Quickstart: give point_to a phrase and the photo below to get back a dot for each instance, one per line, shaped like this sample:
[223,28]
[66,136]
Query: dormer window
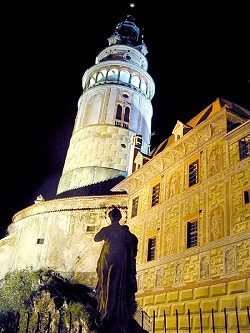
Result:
[180,129]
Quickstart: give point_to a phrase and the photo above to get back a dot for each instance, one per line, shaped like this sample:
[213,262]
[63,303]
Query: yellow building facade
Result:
[189,207]
[187,201]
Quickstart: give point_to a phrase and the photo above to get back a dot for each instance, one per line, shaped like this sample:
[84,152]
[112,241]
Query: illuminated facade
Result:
[190,208]
[188,200]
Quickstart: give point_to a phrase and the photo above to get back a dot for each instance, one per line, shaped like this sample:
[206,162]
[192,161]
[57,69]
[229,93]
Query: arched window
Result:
[112,75]
[135,81]
[119,112]
[101,76]
[143,86]
[126,114]
[91,82]
[124,76]
[122,116]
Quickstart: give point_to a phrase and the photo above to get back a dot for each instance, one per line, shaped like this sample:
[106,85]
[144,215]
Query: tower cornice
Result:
[123,53]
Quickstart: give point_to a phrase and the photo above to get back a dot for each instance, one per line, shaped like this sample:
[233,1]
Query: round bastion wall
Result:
[59,234]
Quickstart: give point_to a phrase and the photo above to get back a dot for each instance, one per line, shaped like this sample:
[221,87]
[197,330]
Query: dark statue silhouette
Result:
[116,272]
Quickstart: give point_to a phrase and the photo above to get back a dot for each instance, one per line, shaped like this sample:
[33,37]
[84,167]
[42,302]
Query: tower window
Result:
[40,240]
[122,116]
[135,203]
[155,195]
[244,147]
[193,173]
[151,248]
[192,234]
[119,112]
[112,75]
[126,114]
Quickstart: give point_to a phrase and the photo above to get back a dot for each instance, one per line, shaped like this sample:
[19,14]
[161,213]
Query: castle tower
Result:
[114,109]
[115,105]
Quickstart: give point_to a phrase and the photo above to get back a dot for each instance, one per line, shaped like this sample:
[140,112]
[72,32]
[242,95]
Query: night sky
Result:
[197,52]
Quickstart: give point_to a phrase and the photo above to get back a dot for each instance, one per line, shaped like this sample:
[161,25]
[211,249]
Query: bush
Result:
[44,298]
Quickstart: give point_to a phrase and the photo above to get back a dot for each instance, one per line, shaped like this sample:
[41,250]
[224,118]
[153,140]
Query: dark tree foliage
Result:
[26,293]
